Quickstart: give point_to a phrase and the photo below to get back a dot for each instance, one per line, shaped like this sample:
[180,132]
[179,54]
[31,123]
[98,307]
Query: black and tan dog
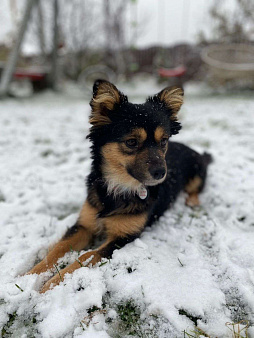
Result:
[136,173]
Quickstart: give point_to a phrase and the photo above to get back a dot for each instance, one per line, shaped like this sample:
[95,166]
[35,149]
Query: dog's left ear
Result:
[172,98]
[105,98]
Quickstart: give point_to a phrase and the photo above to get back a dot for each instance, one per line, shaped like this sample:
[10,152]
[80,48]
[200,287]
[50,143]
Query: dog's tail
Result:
[207,159]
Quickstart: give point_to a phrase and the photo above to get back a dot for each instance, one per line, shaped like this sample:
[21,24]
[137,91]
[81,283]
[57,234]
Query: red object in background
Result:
[33,75]
[173,72]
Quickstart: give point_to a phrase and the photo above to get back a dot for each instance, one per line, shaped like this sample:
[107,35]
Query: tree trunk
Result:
[55,69]
[13,56]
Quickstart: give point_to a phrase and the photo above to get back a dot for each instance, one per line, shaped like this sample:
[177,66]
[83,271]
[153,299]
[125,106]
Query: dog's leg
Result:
[121,229]
[192,189]
[76,238]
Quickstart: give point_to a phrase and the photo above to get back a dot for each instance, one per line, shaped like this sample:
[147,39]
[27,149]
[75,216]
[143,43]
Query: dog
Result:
[136,174]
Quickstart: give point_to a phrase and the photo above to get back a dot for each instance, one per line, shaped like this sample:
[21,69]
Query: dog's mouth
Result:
[148,180]
[154,182]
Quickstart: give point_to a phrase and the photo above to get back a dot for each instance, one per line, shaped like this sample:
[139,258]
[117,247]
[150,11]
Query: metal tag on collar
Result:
[142,193]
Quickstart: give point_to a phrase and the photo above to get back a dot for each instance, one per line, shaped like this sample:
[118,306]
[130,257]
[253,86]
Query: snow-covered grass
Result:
[188,275]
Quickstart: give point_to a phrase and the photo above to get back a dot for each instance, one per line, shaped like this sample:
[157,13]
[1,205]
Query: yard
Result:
[192,273]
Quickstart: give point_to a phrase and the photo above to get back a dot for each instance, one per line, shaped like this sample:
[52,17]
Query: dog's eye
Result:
[164,142]
[131,143]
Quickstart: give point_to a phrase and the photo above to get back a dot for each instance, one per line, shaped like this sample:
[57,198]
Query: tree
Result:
[235,25]
[114,23]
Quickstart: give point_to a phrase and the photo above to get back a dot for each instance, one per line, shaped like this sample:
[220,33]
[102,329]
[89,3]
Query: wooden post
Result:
[54,65]
[13,56]
[41,30]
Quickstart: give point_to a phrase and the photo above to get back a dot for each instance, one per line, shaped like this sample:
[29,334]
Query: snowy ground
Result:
[194,268]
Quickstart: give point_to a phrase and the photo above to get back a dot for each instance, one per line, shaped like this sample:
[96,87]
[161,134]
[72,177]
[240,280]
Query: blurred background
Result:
[51,51]
[63,44]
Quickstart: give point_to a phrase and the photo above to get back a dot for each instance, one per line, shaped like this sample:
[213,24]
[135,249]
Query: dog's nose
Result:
[158,173]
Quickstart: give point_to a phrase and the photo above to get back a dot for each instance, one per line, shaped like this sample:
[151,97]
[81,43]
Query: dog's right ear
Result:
[105,99]
[172,98]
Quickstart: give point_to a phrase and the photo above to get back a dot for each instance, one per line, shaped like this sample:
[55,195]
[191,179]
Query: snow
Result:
[193,263]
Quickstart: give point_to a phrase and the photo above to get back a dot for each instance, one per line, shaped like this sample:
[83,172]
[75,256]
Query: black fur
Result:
[117,244]
[130,155]
[183,163]
[72,230]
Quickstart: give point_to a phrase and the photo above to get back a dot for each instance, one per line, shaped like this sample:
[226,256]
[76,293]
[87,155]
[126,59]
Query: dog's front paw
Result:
[38,268]
[51,283]
[58,278]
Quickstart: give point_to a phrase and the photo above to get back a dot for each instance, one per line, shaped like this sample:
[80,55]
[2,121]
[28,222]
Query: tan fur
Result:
[87,216]
[142,164]
[116,226]
[192,188]
[139,133]
[78,241]
[94,256]
[158,134]
[173,97]
[114,167]
[122,225]
[142,134]
[118,158]
[193,185]
[98,120]
[192,200]
[107,96]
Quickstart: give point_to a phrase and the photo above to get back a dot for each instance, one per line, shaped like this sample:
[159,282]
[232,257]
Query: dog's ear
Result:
[172,98]
[105,99]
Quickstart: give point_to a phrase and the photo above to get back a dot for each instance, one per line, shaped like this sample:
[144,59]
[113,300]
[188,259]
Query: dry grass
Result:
[238,330]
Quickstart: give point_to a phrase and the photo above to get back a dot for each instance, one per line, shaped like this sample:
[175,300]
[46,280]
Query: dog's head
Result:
[130,141]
